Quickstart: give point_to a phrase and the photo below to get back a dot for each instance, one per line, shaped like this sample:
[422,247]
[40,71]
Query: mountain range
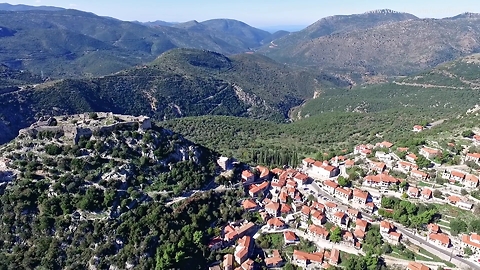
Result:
[179,83]
[383,43]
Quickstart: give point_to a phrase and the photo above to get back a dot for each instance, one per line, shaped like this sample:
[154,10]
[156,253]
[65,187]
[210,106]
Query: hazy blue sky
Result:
[259,13]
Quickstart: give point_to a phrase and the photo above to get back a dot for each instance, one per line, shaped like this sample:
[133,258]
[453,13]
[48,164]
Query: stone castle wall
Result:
[74,132]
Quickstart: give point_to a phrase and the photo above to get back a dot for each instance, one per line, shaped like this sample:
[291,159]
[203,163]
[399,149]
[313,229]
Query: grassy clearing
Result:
[455,213]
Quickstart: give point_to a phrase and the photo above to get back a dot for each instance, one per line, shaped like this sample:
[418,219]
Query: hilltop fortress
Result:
[73,127]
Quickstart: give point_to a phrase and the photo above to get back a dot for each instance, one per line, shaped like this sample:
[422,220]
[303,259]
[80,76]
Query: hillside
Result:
[405,47]
[71,43]
[181,82]
[102,201]
[232,31]
[340,24]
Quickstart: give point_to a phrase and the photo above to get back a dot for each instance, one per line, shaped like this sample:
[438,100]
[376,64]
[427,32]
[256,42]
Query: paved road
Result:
[435,249]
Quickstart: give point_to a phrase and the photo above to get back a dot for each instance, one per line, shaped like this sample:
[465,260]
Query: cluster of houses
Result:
[275,194]
[318,259]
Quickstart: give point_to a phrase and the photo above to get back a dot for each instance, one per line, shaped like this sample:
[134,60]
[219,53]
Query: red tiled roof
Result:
[397,235]
[402,149]
[359,233]
[413,190]
[386,224]
[306,210]
[249,204]
[318,230]
[276,222]
[275,259]
[349,162]
[285,208]
[301,176]
[386,144]
[471,178]
[330,204]
[360,194]
[430,150]
[433,227]
[317,215]
[334,255]
[441,237]
[361,223]
[413,156]
[227,260]
[264,171]
[339,214]
[272,206]
[417,266]
[318,206]
[347,192]
[474,155]
[457,174]
[427,192]
[330,183]
[247,173]
[290,236]
[370,204]
[353,212]
[309,160]
[418,127]
[277,171]
[313,257]
[417,172]
[453,198]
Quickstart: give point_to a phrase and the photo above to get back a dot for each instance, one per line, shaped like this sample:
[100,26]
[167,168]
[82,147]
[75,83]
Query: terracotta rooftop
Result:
[417,266]
[441,237]
[290,236]
[249,204]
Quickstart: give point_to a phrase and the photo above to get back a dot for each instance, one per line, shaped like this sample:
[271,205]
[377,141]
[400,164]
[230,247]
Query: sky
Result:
[258,13]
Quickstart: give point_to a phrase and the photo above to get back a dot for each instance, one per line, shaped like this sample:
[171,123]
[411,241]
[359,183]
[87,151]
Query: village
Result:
[334,203]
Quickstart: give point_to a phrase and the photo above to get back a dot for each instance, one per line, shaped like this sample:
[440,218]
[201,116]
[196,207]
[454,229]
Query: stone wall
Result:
[74,131]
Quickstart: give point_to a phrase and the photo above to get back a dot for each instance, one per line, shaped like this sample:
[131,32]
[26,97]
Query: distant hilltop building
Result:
[73,127]
[383,11]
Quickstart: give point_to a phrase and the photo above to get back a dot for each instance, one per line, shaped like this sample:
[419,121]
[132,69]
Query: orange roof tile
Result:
[417,266]
[313,257]
[339,214]
[349,162]
[361,223]
[347,192]
[306,210]
[386,224]
[386,144]
[290,236]
[247,173]
[471,178]
[318,230]
[276,222]
[417,172]
[273,206]
[360,194]
[457,174]
[413,190]
[285,208]
[359,233]
[334,255]
[433,227]
[474,155]
[441,237]
[309,160]
[330,204]
[277,171]
[249,204]
[301,176]
[453,198]
[413,156]
[427,192]
[330,183]
[402,149]
[430,150]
